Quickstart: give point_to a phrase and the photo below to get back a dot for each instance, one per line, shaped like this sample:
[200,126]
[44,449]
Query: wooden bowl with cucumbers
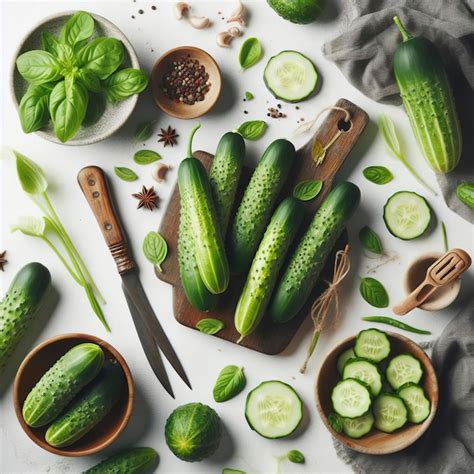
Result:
[377,392]
[73,394]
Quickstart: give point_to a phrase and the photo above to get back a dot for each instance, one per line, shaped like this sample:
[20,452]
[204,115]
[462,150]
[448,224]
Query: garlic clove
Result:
[199,22]
[180,10]
[234,31]
[224,39]
[158,172]
[238,15]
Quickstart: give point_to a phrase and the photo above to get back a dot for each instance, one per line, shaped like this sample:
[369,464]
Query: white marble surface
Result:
[153,33]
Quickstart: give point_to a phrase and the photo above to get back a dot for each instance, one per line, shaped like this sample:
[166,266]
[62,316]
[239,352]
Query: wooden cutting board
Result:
[269,338]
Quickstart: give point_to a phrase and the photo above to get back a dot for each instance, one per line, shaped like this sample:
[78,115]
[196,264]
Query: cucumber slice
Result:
[407,215]
[347,355]
[372,344]
[390,412]
[358,427]
[273,409]
[416,401]
[365,371]
[351,398]
[403,369]
[290,76]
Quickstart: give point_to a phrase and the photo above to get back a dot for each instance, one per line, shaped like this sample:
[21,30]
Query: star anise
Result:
[147,198]
[3,260]
[168,136]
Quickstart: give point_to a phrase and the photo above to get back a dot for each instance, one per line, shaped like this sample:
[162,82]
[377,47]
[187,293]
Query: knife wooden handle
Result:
[93,183]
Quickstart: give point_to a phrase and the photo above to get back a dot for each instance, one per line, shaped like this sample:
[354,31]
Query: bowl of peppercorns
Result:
[186,82]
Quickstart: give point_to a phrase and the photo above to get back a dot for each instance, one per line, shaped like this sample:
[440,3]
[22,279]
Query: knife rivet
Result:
[108,226]
[91,182]
[95,194]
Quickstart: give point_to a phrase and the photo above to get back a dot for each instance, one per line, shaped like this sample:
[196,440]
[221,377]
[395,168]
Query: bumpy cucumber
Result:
[131,461]
[93,404]
[428,100]
[17,308]
[308,260]
[266,265]
[225,173]
[258,203]
[61,383]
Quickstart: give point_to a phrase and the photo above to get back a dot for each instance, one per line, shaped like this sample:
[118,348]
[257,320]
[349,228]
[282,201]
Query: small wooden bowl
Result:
[38,361]
[377,442]
[179,109]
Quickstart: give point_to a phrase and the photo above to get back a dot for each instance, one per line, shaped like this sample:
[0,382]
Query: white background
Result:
[203,356]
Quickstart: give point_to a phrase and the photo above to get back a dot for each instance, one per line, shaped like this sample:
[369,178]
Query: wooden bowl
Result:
[377,442]
[38,361]
[179,109]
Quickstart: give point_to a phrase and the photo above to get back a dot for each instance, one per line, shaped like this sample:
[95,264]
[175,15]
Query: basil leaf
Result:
[465,193]
[145,157]
[66,59]
[335,422]
[210,325]
[374,292]
[248,95]
[78,27]
[307,190]
[378,174]
[155,249]
[33,109]
[253,129]
[250,52]
[370,240]
[67,107]
[95,108]
[125,174]
[144,131]
[102,56]
[49,43]
[125,83]
[31,175]
[295,456]
[38,67]
[90,80]
[230,382]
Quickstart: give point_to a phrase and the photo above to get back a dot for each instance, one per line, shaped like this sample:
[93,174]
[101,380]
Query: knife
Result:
[152,337]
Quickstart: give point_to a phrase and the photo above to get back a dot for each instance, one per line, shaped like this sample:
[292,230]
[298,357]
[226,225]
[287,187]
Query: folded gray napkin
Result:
[448,445]
[365,48]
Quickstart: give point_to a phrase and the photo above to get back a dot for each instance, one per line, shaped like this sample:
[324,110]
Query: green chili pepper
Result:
[394,322]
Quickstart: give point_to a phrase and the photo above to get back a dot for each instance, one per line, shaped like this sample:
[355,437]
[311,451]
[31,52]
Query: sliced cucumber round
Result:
[290,76]
[372,344]
[390,412]
[365,371]
[402,369]
[407,215]
[273,409]
[416,401]
[351,398]
[358,427]
[347,355]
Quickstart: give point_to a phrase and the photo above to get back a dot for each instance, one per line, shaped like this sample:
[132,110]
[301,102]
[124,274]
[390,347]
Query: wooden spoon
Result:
[446,269]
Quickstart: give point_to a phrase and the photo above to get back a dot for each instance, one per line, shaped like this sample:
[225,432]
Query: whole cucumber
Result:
[305,265]
[266,265]
[93,404]
[465,193]
[61,383]
[258,203]
[195,193]
[17,308]
[131,461]
[428,100]
[224,175]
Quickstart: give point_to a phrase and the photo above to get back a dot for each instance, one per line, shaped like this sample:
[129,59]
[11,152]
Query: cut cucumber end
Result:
[390,413]
[351,398]
[403,369]
[416,401]
[372,344]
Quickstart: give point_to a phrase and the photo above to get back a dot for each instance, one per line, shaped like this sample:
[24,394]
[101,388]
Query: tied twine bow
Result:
[322,305]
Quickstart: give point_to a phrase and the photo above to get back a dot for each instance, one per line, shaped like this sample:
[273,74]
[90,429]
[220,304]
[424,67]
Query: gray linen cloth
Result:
[448,445]
[365,48]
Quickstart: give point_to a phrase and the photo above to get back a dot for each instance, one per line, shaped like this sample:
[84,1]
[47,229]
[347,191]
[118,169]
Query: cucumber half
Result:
[403,369]
[365,371]
[372,344]
[390,413]
[417,403]
[407,215]
[358,427]
[273,409]
[290,76]
[351,398]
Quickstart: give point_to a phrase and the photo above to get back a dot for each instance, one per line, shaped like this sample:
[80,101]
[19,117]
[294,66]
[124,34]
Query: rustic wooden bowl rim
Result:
[130,387]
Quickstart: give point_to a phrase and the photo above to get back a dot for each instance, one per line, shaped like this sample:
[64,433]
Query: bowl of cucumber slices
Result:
[377,392]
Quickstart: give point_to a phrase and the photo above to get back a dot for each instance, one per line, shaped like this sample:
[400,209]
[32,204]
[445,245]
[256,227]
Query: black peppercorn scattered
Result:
[245,111]
[141,12]
[153,7]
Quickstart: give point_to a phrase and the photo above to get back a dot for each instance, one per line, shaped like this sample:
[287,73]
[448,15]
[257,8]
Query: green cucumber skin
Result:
[19,305]
[266,265]
[61,383]
[465,193]
[131,461]
[428,101]
[225,173]
[258,203]
[95,402]
[209,250]
[307,262]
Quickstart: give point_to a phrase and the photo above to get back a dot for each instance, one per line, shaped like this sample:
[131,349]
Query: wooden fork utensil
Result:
[445,270]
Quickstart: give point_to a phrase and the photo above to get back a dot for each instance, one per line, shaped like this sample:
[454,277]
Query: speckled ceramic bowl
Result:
[114,116]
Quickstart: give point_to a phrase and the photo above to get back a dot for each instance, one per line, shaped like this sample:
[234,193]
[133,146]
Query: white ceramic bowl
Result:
[114,116]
